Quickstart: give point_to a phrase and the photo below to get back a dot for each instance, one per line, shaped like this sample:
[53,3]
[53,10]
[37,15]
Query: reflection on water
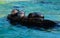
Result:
[9,31]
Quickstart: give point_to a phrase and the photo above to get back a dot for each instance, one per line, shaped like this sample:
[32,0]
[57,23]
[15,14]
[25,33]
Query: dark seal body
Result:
[31,21]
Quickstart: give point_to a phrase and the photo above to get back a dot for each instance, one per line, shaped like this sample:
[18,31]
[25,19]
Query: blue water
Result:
[9,31]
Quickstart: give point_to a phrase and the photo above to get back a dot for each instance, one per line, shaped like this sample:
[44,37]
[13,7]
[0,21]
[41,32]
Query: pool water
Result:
[50,11]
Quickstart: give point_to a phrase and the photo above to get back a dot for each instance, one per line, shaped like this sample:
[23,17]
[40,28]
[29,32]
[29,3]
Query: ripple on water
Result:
[9,31]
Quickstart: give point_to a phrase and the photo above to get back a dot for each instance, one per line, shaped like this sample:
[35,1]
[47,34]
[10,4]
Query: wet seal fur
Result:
[31,23]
